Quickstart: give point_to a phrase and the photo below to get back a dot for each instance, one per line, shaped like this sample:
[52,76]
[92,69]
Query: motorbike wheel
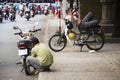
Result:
[6,17]
[26,67]
[57,43]
[0,20]
[96,41]
[28,18]
[21,15]
[11,18]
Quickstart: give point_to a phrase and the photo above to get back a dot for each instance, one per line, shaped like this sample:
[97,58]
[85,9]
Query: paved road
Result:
[8,47]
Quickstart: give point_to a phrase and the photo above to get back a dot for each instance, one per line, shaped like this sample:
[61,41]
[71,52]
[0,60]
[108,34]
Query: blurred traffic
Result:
[26,10]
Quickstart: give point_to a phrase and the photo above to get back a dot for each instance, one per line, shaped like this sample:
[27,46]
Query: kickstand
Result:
[22,69]
[20,63]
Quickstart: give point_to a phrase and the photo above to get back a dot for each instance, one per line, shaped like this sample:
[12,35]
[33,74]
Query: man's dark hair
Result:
[34,40]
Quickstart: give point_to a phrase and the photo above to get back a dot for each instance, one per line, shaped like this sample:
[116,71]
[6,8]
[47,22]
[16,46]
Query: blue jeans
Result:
[36,64]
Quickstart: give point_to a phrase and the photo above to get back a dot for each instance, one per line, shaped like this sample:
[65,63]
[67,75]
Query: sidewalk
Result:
[71,64]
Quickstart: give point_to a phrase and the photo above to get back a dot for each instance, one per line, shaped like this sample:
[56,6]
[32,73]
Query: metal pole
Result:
[59,17]
[71,3]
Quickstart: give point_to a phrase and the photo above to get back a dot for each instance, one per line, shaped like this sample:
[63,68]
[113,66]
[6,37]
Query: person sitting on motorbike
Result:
[21,7]
[41,58]
[27,9]
[73,19]
[87,21]
[12,9]
[6,9]
[39,9]
[33,8]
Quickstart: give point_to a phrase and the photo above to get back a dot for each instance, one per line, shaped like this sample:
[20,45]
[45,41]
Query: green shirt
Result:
[43,54]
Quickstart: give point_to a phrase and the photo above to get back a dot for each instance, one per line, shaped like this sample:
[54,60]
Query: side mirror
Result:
[35,24]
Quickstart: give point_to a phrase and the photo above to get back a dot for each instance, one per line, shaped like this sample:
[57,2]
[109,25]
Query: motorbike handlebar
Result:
[35,30]
[20,33]
[17,33]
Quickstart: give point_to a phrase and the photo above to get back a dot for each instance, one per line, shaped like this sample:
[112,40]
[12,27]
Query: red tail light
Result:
[21,45]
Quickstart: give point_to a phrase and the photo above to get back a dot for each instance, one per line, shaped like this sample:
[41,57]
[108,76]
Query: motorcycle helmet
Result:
[72,35]
[69,25]
[27,3]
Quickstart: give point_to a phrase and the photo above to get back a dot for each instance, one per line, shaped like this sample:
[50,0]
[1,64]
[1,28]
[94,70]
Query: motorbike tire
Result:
[21,15]
[11,19]
[26,67]
[28,18]
[6,17]
[0,20]
[57,43]
[97,44]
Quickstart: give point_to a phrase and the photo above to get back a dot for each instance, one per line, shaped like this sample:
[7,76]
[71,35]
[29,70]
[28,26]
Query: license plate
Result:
[22,52]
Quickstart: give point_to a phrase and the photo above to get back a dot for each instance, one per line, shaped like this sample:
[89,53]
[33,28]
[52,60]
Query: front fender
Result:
[57,33]
[61,34]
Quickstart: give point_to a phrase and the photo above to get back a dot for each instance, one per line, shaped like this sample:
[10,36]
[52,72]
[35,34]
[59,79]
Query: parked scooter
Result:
[90,34]
[24,46]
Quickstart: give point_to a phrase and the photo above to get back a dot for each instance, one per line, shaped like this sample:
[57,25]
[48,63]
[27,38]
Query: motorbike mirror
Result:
[36,23]
[15,27]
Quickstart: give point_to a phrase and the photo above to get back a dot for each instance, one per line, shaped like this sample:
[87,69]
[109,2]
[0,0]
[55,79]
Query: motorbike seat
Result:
[89,25]
[88,17]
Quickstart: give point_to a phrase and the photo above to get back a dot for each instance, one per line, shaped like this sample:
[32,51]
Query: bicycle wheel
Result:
[57,43]
[96,42]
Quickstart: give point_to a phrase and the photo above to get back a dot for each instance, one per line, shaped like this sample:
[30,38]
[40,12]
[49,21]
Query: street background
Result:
[69,64]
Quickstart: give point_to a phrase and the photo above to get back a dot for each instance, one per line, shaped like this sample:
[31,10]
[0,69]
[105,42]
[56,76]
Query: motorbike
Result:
[5,14]
[24,46]
[27,15]
[12,16]
[90,35]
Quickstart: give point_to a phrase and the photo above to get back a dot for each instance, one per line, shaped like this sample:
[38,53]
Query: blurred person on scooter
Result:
[6,9]
[27,9]
[13,9]
[21,7]
[41,58]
